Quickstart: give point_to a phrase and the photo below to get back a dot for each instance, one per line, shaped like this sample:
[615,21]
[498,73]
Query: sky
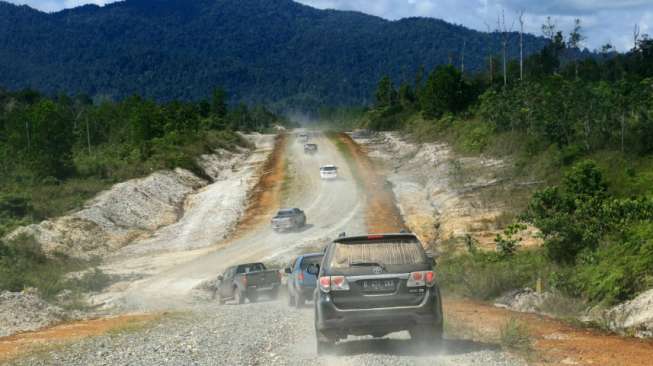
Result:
[603,21]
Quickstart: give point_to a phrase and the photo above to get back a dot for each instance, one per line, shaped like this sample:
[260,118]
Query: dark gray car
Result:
[288,219]
[376,285]
[247,281]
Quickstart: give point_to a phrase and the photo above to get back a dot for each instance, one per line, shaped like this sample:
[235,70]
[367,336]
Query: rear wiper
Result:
[367,264]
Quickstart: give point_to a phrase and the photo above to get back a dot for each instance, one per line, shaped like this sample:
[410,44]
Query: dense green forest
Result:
[276,52]
[57,152]
[585,129]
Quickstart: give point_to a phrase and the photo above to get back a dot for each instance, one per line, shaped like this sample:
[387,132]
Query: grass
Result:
[485,276]
[515,336]
[24,265]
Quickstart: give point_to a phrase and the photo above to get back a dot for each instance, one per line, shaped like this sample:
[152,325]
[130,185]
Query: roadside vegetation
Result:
[57,152]
[582,129]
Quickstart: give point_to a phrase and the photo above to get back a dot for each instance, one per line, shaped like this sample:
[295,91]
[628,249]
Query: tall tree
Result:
[219,103]
[575,42]
[386,95]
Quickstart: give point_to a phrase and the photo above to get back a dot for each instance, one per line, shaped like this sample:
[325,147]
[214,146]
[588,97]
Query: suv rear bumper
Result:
[332,322]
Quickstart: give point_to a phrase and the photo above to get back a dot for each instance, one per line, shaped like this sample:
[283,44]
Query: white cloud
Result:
[603,20]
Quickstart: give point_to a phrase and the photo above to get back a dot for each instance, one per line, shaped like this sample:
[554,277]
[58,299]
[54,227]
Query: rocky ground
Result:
[25,311]
[266,333]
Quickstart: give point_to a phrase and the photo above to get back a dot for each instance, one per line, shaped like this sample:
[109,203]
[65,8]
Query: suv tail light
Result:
[422,278]
[325,283]
[243,280]
[333,283]
[301,276]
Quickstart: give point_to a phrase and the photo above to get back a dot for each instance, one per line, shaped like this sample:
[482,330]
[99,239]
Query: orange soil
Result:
[381,214]
[554,341]
[264,198]
[13,346]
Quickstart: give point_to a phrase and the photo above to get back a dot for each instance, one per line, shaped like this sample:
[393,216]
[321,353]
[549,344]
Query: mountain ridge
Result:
[265,51]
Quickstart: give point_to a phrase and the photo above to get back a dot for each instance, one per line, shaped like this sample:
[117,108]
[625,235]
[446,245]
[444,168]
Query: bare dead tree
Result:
[635,36]
[491,58]
[575,41]
[521,45]
[549,28]
[505,37]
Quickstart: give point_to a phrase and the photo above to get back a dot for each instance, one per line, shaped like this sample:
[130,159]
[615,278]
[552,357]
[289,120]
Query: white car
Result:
[329,172]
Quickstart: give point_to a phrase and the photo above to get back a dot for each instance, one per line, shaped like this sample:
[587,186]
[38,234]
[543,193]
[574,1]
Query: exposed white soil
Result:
[134,209]
[523,300]
[634,317]
[440,194]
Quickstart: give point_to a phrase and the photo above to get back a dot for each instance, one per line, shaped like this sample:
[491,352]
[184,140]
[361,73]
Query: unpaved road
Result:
[265,333]
[331,208]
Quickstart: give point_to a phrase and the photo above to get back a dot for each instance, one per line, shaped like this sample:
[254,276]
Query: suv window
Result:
[311,260]
[255,267]
[384,253]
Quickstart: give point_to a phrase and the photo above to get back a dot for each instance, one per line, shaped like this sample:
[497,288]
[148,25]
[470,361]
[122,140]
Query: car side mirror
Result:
[220,278]
[288,270]
[431,257]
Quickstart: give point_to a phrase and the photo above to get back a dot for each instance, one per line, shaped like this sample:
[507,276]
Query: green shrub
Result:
[620,268]
[485,276]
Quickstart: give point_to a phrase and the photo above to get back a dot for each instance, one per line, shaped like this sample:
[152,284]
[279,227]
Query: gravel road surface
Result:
[265,333]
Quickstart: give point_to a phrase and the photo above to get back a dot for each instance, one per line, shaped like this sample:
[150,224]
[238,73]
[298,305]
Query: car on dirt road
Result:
[247,281]
[310,149]
[288,219]
[376,285]
[301,283]
[329,172]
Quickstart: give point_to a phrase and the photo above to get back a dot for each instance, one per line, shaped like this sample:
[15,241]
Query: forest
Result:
[584,127]
[278,52]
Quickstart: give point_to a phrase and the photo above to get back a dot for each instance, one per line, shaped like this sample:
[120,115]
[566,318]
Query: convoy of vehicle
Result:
[288,219]
[361,285]
[247,281]
[300,281]
[329,172]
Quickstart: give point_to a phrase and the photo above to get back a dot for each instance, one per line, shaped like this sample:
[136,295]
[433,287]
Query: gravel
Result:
[266,333]
[25,311]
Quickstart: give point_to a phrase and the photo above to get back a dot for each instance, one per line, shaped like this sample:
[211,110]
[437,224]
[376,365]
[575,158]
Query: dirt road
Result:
[331,207]
[262,333]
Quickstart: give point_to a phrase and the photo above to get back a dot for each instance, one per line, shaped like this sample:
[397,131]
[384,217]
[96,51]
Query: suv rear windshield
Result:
[385,253]
[328,168]
[247,268]
[286,213]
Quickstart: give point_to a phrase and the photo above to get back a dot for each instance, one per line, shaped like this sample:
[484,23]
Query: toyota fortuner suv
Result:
[376,285]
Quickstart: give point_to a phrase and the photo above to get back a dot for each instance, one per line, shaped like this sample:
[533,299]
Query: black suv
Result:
[376,285]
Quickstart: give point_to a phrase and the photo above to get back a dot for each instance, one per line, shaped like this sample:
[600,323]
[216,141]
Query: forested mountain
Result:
[261,50]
